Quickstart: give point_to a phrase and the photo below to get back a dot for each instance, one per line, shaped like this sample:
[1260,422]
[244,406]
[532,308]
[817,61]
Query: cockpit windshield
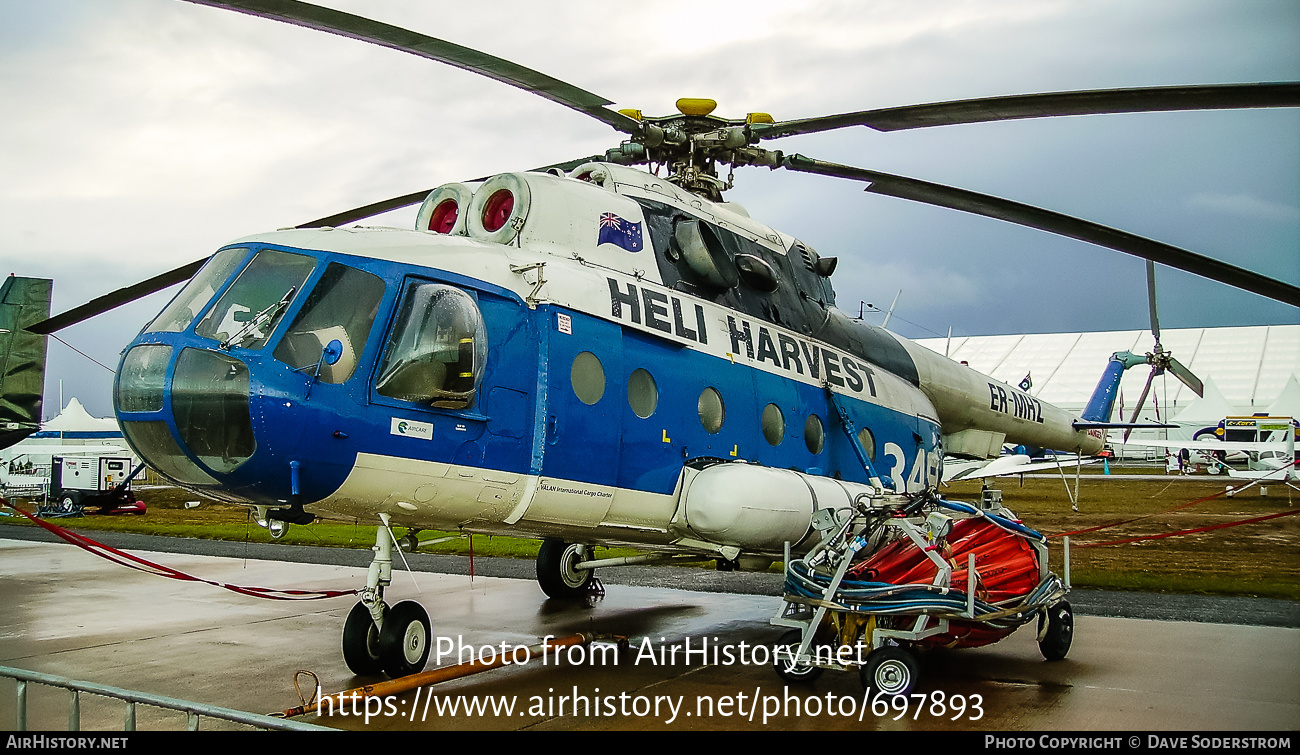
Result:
[247,313]
[197,293]
[340,312]
[437,349]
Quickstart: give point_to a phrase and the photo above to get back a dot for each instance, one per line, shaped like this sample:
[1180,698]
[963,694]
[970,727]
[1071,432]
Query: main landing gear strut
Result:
[378,638]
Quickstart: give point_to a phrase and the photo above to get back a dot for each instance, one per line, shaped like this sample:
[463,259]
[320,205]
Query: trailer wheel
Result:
[555,572]
[404,639]
[891,670]
[1055,630]
[796,673]
[361,641]
[68,503]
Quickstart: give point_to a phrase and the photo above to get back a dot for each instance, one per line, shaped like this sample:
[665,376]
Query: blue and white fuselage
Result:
[539,368]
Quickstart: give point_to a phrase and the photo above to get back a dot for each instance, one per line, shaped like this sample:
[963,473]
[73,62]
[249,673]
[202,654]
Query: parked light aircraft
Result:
[586,353]
[1270,457]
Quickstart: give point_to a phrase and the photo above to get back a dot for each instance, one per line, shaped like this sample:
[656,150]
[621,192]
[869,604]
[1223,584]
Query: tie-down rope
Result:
[149,567]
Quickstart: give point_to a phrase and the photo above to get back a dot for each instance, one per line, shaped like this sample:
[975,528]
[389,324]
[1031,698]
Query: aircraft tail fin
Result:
[23,302]
[1102,401]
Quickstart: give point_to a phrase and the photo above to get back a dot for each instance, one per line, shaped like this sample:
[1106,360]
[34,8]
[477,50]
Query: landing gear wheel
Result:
[361,641]
[1055,630]
[555,572]
[795,673]
[891,670]
[404,640]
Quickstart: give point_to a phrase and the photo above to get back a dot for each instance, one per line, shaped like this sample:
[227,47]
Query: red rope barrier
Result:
[1192,531]
[1140,518]
[139,564]
[1158,513]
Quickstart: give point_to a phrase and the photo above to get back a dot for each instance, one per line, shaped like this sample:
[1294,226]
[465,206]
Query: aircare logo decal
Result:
[409,428]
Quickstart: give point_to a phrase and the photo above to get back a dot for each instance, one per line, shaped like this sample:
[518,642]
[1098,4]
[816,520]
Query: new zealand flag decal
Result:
[619,232]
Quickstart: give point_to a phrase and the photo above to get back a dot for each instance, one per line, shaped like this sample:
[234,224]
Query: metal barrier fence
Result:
[194,711]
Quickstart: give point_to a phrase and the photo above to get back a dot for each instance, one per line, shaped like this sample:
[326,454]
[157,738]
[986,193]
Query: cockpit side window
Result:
[437,350]
[247,313]
[341,308]
[182,310]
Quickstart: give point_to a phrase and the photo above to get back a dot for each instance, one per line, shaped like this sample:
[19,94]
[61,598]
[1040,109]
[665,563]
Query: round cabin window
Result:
[588,377]
[868,442]
[711,410]
[642,393]
[773,424]
[813,434]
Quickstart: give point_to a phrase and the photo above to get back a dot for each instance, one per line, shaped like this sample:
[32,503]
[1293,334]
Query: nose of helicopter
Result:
[192,421]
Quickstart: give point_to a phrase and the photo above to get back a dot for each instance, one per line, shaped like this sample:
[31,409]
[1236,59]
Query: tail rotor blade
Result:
[1185,375]
[1137,409]
[1151,302]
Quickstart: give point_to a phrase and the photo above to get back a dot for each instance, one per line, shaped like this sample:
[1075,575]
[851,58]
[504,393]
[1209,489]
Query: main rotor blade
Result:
[1053,222]
[406,200]
[361,213]
[1048,104]
[404,40]
[117,298]
[185,272]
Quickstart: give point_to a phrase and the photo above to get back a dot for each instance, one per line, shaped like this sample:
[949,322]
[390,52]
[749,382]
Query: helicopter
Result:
[584,353]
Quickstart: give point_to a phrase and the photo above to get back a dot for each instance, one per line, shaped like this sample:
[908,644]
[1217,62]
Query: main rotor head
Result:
[693,143]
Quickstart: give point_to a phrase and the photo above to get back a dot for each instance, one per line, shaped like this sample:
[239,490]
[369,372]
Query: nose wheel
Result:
[377,638]
[404,639]
[361,641]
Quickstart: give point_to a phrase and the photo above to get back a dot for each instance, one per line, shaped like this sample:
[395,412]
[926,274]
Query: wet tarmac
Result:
[70,613]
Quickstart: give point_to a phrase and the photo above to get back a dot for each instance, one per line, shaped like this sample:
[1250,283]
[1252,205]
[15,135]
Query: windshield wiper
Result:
[260,319]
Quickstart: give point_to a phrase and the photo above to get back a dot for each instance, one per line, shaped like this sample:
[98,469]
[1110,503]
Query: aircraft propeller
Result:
[693,142]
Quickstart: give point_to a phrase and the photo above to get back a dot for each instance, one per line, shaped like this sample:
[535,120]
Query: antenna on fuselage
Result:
[864,307]
[890,313]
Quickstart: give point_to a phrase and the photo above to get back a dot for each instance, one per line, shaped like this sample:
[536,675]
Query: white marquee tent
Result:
[1246,369]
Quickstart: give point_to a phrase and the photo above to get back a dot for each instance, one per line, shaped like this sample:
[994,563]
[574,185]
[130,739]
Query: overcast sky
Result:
[140,134]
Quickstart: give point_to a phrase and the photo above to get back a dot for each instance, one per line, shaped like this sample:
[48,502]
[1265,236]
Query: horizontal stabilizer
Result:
[1087,425]
[1010,465]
